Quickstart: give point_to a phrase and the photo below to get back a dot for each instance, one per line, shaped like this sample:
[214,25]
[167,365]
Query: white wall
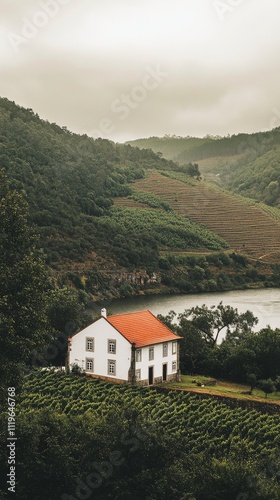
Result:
[102,331]
[157,362]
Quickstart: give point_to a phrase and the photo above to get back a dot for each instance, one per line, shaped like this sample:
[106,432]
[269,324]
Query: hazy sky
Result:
[123,69]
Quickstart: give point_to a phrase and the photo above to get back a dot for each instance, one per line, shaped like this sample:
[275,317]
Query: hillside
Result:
[258,178]
[108,220]
[169,146]
[248,164]
[245,226]
[69,182]
[188,149]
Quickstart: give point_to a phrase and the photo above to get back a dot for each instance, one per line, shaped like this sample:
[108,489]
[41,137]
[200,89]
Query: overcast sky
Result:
[123,69]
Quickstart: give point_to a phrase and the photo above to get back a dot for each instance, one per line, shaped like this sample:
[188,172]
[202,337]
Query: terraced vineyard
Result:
[245,226]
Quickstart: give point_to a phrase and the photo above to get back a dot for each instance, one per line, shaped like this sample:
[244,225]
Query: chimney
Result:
[104,312]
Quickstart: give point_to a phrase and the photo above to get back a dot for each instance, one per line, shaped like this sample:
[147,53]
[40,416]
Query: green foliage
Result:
[169,146]
[191,169]
[66,315]
[247,164]
[251,352]
[212,272]
[150,199]
[200,328]
[252,380]
[256,177]
[277,383]
[179,176]
[69,180]
[76,369]
[24,283]
[242,356]
[138,234]
[267,386]
[189,149]
[141,441]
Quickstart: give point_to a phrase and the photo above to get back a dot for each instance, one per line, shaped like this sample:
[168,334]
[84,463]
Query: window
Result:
[112,346]
[174,366]
[138,355]
[138,374]
[89,364]
[174,347]
[151,353]
[165,350]
[111,367]
[89,344]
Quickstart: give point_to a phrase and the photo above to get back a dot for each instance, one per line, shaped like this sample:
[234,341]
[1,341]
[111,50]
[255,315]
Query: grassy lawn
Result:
[223,388]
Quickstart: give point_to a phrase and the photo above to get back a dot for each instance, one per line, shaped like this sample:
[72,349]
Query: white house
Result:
[135,348]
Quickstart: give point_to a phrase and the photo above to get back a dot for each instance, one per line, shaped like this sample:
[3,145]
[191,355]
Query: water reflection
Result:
[265,304]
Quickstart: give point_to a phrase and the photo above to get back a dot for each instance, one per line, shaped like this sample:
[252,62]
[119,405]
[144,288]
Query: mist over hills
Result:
[248,164]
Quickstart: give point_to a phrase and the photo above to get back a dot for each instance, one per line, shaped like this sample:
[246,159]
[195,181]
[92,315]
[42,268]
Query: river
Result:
[264,304]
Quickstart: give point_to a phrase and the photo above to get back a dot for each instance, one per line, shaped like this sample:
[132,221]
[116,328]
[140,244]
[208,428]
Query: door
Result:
[151,375]
[164,372]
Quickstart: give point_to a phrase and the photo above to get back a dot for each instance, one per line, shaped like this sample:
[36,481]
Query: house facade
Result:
[133,348]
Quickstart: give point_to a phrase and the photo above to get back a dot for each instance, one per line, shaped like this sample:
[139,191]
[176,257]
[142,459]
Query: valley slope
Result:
[248,164]
[244,225]
[114,220]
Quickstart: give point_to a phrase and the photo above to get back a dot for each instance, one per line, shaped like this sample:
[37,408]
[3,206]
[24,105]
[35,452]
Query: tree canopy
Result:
[24,284]
[211,321]
[242,355]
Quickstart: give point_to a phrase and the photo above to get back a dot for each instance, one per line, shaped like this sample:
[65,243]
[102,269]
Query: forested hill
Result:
[70,182]
[247,164]
[68,179]
[171,146]
[188,149]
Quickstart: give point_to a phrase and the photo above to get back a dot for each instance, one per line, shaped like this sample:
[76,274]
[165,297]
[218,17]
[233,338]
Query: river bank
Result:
[216,272]
[263,302]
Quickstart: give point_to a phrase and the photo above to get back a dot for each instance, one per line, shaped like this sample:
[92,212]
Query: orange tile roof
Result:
[142,328]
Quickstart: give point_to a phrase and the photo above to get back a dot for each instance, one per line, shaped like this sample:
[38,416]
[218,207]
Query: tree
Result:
[267,386]
[24,282]
[266,344]
[66,315]
[191,346]
[252,381]
[277,383]
[271,192]
[211,321]
[192,169]
[200,328]
[240,361]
